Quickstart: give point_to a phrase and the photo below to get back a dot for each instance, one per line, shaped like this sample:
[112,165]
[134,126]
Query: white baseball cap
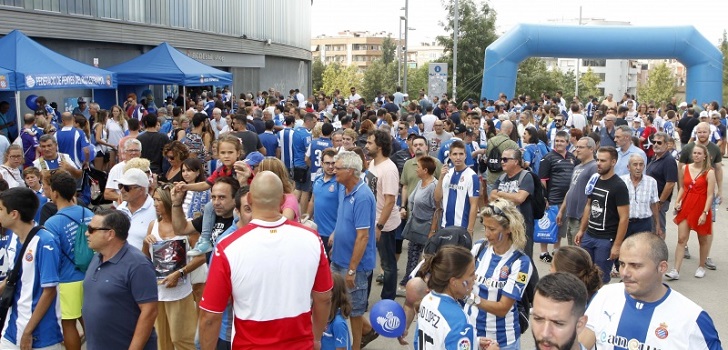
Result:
[134,176]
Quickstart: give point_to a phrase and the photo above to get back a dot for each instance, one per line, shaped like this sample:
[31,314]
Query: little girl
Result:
[195,201]
[229,150]
[336,335]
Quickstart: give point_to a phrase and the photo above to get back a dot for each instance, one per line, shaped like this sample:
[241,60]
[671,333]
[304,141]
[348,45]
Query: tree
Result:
[588,85]
[724,51]
[336,76]
[533,78]
[476,32]
[417,79]
[317,74]
[660,85]
[379,77]
[389,49]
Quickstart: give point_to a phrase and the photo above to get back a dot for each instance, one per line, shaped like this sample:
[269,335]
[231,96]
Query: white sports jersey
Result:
[441,325]
[457,189]
[673,322]
[497,276]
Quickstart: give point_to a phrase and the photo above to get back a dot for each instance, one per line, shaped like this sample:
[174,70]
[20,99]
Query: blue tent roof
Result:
[165,65]
[36,67]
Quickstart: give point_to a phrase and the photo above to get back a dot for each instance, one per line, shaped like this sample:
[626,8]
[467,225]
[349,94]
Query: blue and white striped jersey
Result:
[457,189]
[497,276]
[285,142]
[441,325]
[673,322]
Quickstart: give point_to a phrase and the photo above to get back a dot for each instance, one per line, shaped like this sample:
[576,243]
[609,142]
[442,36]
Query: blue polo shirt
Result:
[326,205]
[269,140]
[356,210]
[116,287]
[301,140]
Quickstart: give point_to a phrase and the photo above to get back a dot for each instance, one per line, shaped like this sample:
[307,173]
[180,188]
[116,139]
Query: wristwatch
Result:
[181,272]
[380,226]
[351,272]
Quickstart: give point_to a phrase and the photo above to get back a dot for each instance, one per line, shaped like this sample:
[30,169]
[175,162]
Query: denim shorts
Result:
[359,295]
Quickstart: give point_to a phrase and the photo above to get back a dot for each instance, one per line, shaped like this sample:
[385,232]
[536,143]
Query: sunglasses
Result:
[506,159]
[92,229]
[170,158]
[127,188]
[497,211]
[658,142]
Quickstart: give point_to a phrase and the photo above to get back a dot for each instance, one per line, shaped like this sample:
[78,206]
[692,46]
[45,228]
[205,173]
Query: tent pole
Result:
[18,120]
[184,95]
[117,97]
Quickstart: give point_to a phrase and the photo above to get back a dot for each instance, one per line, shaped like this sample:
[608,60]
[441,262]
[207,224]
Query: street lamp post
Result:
[399,51]
[406,30]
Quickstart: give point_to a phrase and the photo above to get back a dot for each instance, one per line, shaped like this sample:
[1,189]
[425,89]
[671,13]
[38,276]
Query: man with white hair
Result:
[218,123]
[132,149]
[137,204]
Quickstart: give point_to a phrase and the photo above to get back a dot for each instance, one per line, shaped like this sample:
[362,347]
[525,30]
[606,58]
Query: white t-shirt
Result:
[577,121]
[429,122]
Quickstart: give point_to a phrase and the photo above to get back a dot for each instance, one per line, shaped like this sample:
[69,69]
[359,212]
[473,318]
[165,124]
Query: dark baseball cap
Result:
[460,128]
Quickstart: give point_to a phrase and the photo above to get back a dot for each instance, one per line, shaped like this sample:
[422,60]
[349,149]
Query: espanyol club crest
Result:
[331,188]
[29,255]
[504,272]
[661,331]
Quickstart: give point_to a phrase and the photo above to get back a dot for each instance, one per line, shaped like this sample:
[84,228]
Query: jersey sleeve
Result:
[461,336]
[475,188]
[518,278]
[323,281]
[705,336]
[216,295]
[594,310]
[48,261]
[143,283]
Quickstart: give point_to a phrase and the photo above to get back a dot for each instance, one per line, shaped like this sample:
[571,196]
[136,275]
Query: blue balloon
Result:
[30,102]
[388,318]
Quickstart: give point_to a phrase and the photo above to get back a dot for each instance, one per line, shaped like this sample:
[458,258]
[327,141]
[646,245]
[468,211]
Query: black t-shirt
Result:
[557,171]
[251,142]
[152,145]
[604,200]
[663,170]
[511,185]
[221,225]
[686,126]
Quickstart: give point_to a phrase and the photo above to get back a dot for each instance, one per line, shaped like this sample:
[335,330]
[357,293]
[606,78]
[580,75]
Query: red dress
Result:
[694,203]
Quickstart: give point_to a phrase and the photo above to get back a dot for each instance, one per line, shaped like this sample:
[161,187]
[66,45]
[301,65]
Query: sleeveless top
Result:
[184,287]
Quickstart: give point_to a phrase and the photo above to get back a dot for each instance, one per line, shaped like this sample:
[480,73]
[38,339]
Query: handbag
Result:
[546,230]
[416,230]
[8,294]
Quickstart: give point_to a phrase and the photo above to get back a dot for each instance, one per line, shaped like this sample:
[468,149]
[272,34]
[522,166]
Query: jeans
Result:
[514,346]
[599,249]
[359,296]
[386,246]
[208,222]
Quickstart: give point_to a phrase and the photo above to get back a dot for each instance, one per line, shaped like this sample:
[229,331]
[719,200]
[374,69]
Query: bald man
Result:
[272,269]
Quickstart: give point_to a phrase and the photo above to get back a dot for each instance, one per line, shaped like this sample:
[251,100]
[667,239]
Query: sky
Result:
[332,16]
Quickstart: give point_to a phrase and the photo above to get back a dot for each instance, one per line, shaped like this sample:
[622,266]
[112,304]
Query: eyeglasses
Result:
[132,150]
[329,163]
[92,229]
[658,142]
[127,188]
[505,159]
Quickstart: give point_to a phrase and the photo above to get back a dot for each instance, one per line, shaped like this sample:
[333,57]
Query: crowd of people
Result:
[256,222]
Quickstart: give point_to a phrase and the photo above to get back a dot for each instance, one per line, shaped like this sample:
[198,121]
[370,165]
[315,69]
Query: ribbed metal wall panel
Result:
[286,23]
[52,25]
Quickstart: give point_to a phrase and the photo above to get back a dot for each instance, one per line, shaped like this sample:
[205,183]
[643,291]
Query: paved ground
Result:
[706,292]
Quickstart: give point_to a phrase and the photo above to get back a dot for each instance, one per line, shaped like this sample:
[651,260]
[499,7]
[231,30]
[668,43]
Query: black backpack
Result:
[538,197]
[494,159]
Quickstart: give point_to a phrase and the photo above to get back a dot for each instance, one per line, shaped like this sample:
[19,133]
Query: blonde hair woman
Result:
[506,268]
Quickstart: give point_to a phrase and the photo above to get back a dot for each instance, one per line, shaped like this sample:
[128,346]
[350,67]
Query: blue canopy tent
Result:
[165,65]
[36,67]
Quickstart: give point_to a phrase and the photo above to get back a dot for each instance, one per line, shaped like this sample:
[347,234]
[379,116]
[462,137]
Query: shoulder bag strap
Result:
[14,275]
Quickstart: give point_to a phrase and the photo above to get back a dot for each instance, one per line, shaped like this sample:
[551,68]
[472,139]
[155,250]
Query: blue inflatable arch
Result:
[703,60]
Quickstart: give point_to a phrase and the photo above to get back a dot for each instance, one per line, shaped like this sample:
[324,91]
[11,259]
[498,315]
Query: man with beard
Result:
[558,310]
[606,214]
[642,312]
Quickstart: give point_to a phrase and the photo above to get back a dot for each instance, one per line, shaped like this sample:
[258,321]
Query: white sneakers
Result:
[700,272]
[674,275]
